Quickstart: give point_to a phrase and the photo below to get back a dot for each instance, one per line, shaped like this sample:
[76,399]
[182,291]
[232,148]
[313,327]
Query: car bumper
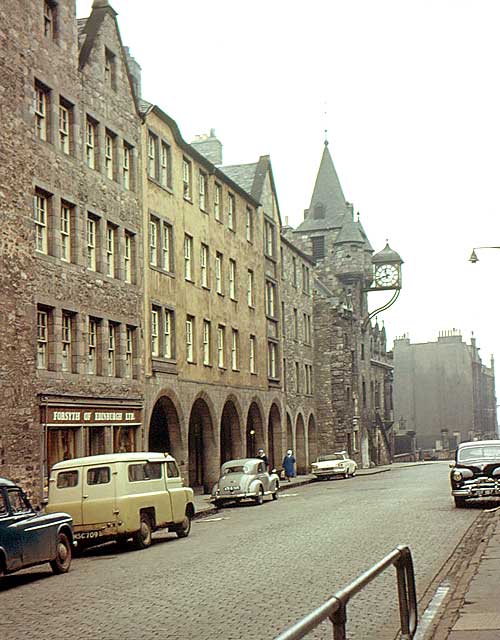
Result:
[237,495]
[477,491]
[328,472]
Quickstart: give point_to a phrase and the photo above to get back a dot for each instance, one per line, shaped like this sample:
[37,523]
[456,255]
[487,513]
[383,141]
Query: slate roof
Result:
[368,246]
[242,174]
[328,204]
[387,255]
[349,232]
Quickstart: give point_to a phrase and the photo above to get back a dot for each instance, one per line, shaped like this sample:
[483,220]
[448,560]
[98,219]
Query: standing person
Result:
[261,454]
[289,465]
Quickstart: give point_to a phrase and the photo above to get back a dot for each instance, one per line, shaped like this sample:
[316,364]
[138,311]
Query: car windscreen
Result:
[478,453]
[334,456]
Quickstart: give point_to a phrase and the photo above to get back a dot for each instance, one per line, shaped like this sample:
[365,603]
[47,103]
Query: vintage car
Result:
[476,471]
[334,464]
[243,479]
[118,496]
[28,538]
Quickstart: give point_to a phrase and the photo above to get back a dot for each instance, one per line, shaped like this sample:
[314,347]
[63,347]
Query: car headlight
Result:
[456,475]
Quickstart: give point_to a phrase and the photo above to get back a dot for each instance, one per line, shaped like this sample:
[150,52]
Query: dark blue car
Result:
[28,538]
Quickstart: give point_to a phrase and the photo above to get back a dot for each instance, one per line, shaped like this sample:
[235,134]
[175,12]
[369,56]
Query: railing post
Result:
[406,594]
[339,618]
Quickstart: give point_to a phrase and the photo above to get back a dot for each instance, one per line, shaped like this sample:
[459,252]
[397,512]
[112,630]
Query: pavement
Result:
[471,610]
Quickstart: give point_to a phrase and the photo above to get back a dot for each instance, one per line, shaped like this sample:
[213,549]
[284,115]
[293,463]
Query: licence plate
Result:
[87,535]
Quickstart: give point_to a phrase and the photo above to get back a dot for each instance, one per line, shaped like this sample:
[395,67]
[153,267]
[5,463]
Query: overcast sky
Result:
[409,93]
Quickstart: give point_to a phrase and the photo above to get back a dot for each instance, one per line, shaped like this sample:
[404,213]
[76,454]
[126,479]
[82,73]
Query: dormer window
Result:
[319,211]
[109,68]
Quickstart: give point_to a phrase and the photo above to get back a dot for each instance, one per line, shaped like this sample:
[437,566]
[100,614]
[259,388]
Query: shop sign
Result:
[82,415]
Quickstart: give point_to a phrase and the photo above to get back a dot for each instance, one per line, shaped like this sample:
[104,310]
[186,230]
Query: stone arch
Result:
[312,439]
[231,443]
[203,453]
[300,439]
[164,433]
[274,440]
[255,437]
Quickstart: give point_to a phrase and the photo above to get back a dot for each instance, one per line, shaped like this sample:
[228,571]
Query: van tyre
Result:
[143,537]
[184,528]
[61,563]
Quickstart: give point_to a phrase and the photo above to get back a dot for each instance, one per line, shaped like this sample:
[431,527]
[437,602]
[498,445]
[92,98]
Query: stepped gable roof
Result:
[349,232]
[387,255]
[328,205]
[242,174]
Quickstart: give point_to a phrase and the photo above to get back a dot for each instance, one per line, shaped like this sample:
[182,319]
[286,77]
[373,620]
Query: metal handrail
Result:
[335,608]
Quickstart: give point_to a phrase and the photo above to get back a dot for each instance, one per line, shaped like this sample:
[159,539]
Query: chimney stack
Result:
[209,146]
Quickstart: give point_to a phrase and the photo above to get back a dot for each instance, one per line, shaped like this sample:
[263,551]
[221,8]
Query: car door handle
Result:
[84,496]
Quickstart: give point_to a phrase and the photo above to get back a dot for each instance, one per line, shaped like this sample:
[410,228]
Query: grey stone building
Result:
[444,394]
[352,367]
[71,362]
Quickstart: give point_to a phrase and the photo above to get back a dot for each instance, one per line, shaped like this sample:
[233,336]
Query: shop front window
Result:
[97,441]
[61,445]
[123,439]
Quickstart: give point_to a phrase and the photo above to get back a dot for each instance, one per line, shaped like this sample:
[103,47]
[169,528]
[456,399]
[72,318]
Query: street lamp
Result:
[473,256]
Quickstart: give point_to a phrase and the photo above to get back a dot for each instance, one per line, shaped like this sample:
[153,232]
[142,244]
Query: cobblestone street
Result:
[248,572]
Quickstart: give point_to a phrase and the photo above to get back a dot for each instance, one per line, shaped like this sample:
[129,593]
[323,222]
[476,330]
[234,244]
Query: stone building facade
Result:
[80,232]
[152,297]
[352,368]
[444,394]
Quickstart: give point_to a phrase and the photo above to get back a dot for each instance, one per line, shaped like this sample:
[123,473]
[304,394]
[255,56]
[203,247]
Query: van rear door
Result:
[175,487]
[65,493]
[98,499]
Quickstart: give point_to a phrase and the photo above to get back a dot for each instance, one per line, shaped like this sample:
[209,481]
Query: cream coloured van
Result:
[121,496]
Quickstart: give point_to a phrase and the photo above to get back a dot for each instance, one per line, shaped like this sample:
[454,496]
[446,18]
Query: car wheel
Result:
[275,494]
[353,473]
[143,537]
[259,498]
[62,561]
[218,504]
[459,502]
[184,528]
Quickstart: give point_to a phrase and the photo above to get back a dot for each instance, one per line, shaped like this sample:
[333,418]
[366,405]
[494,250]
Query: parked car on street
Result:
[27,537]
[334,464]
[475,473]
[242,479]
[118,496]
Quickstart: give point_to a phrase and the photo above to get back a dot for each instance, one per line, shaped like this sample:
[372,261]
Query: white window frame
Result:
[66,331]
[252,354]
[152,153]
[42,327]
[220,346]
[232,279]
[186,178]
[155,336]
[202,190]
[91,244]
[109,155]
[164,164]
[249,224]
[126,164]
[270,299]
[250,288]
[206,342]
[218,272]
[168,333]
[153,242]
[65,231]
[269,238]
[204,260]
[272,357]
[112,330]
[48,20]
[64,128]
[189,339]
[92,347]
[231,211]
[41,110]
[90,143]
[217,202]
[129,352]
[110,250]
[188,257]
[41,212]
[234,349]
[127,257]
[166,246]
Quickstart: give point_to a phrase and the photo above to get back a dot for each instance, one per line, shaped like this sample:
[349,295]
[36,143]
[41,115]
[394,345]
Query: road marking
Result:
[211,519]
[432,609]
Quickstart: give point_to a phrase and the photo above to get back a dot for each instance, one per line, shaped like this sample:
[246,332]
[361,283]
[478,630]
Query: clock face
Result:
[387,275]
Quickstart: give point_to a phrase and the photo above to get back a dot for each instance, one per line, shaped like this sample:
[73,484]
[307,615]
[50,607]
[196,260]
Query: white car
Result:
[334,464]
